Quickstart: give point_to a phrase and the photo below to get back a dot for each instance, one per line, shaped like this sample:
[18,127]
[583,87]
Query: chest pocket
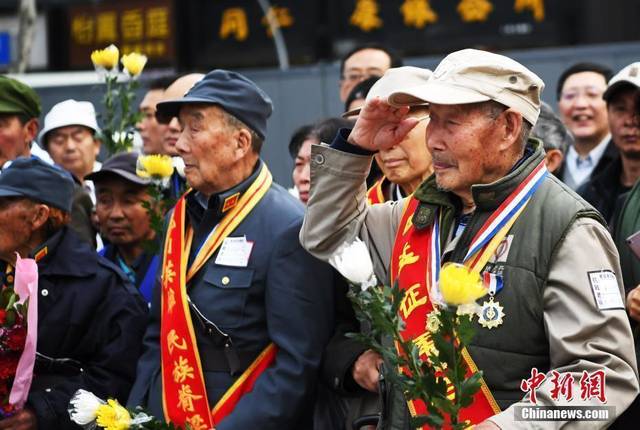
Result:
[225,295]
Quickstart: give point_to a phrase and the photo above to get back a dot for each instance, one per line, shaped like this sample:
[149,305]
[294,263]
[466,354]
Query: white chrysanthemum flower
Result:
[83,407]
[354,263]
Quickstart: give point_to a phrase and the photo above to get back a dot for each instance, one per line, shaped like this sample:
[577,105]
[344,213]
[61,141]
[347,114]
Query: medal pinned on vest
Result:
[491,314]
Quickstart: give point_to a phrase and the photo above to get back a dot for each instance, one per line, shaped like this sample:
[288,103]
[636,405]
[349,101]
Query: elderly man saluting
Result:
[555,302]
[238,324]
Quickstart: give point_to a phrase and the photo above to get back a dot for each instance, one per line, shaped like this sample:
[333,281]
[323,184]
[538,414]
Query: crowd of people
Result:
[233,318]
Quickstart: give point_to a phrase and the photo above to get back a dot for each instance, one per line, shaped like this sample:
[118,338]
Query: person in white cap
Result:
[69,135]
[405,165]
[555,301]
[603,189]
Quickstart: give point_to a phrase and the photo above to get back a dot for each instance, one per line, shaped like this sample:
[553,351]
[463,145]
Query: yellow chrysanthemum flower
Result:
[155,166]
[106,58]
[459,286]
[113,416]
[134,63]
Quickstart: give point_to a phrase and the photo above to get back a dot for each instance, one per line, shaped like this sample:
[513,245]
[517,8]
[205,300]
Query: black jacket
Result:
[87,311]
[602,190]
[610,154]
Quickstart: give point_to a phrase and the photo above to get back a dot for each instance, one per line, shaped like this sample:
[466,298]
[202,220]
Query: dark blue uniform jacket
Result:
[284,295]
[87,311]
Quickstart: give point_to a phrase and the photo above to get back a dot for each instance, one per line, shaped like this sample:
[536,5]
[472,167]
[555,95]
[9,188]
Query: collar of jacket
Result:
[196,200]
[608,179]
[487,197]
[64,250]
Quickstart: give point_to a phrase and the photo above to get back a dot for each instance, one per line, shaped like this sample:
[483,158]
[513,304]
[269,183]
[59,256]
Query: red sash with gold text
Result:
[184,395]
[415,264]
[410,263]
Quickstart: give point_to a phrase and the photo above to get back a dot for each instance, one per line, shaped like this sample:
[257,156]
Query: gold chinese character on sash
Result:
[234,23]
[474,10]
[175,341]
[407,257]
[82,29]
[107,28]
[171,300]
[186,398]
[196,422]
[407,225]
[424,344]
[182,370]
[278,17]
[168,275]
[365,16]
[411,300]
[157,22]
[418,13]
[535,6]
[132,24]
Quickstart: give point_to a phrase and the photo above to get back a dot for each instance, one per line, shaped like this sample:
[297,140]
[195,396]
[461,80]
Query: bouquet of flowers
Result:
[440,381]
[121,115]
[18,331]
[91,412]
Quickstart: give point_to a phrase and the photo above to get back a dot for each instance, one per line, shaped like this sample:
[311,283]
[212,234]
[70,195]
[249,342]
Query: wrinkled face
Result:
[623,122]
[409,162]
[74,148]
[151,131]
[360,66]
[582,108]
[122,218]
[207,147]
[15,138]
[301,172]
[16,227]
[462,142]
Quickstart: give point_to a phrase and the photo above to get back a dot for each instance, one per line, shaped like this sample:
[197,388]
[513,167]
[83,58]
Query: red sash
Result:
[375,194]
[184,395]
[410,262]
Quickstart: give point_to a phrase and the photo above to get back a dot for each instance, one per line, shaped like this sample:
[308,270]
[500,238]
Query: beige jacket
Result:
[581,337]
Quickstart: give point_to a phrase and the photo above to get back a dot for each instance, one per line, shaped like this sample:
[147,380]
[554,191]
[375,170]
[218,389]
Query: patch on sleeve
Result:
[605,290]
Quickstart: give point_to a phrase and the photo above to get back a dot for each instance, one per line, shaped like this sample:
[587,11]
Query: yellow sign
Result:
[234,23]
[132,25]
[535,6]
[474,10]
[279,17]
[418,13]
[365,16]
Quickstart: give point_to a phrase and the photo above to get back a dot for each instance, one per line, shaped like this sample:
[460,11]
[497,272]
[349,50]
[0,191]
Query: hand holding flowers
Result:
[449,326]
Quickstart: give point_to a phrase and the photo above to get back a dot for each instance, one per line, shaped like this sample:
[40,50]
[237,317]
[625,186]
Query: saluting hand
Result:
[381,126]
[633,303]
[23,420]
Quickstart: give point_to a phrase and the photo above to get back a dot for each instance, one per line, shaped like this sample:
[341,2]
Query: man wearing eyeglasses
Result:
[584,112]
[363,62]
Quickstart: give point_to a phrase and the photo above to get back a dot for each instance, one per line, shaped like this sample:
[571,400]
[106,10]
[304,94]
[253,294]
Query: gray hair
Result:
[551,131]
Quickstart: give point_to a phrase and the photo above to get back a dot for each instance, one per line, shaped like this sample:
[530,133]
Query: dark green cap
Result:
[18,98]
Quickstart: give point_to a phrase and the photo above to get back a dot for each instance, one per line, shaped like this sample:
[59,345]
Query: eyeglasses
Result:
[590,93]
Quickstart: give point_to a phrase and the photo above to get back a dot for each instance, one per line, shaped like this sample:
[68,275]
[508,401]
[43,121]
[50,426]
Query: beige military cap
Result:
[472,76]
[393,80]
[629,76]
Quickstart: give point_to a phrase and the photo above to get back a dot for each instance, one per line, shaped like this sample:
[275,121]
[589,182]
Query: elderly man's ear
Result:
[39,216]
[553,158]
[512,127]
[243,142]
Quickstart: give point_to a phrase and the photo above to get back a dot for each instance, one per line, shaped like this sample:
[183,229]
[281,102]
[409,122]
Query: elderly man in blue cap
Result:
[90,319]
[238,326]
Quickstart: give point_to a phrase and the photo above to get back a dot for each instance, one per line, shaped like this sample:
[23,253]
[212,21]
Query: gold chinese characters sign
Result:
[134,26]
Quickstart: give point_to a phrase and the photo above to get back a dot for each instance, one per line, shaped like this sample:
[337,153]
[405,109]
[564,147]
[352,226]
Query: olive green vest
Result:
[506,354]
